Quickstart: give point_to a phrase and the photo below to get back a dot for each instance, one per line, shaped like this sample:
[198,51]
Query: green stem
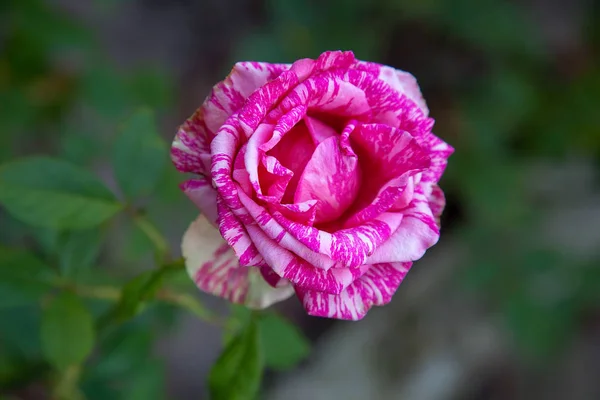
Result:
[157,239]
[191,304]
[175,264]
[113,294]
[99,292]
[66,387]
[109,293]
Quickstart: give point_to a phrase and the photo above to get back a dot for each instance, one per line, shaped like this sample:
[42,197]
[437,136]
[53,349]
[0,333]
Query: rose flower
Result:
[321,178]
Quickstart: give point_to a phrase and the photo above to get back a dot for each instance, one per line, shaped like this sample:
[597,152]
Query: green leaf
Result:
[134,245]
[179,281]
[80,148]
[139,291]
[51,28]
[105,92]
[238,318]
[67,332]
[16,117]
[123,351]
[148,383]
[151,87]
[139,155]
[284,345]
[13,231]
[79,251]
[51,193]
[237,373]
[23,278]
[19,331]
[161,247]
[540,330]
[47,240]
[138,375]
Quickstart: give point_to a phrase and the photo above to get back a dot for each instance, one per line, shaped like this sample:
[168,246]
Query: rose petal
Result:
[386,151]
[388,106]
[349,247]
[243,123]
[401,81]
[391,157]
[240,174]
[254,154]
[219,273]
[346,248]
[400,111]
[407,194]
[190,151]
[273,174]
[295,269]
[260,102]
[375,287]
[259,215]
[261,294]
[304,213]
[332,177]
[293,151]
[203,195]
[234,233]
[417,232]
[284,124]
[437,202]
[319,131]
[271,277]
[229,95]
[327,94]
[439,152]
[274,178]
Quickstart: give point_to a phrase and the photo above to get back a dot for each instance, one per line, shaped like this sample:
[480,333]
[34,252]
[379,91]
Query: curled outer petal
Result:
[375,288]
[215,269]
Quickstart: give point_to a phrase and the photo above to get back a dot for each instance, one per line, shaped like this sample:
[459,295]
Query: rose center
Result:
[322,170]
[293,151]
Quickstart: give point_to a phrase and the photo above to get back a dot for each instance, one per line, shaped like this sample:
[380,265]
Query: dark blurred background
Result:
[506,306]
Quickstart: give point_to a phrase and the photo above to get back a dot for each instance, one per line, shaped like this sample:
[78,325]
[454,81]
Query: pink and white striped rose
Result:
[321,177]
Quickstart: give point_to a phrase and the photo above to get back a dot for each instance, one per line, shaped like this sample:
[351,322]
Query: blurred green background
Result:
[514,86]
